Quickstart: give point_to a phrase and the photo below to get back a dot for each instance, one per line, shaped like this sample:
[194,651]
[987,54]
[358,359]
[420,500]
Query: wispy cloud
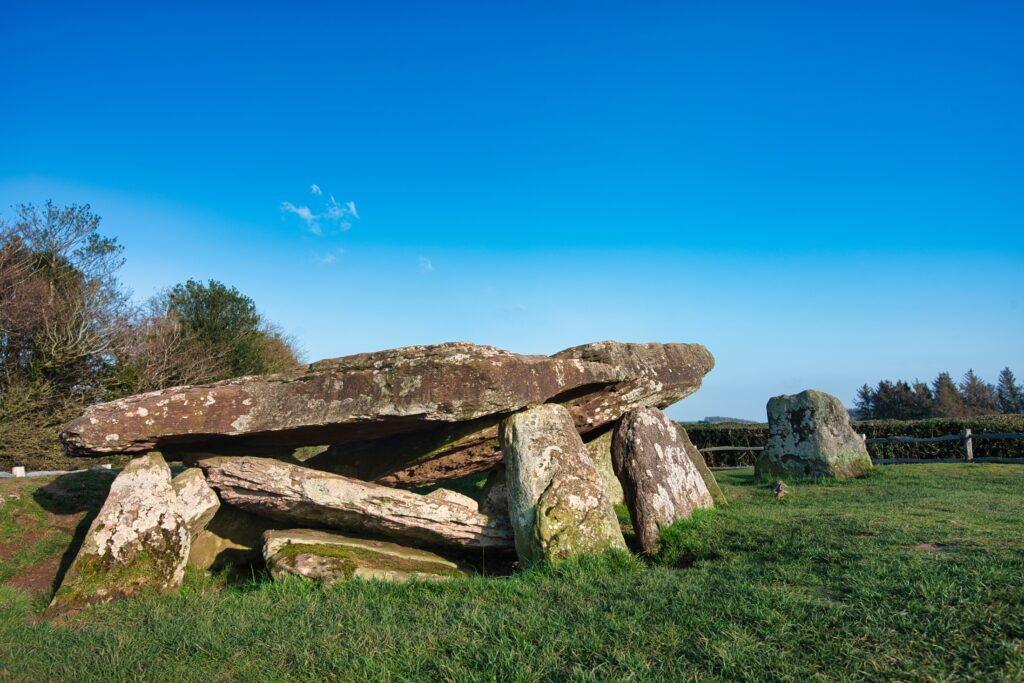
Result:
[331,213]
[425,265]
[328,259]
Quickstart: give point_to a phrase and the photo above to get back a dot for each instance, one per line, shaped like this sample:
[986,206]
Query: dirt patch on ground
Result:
[934,547]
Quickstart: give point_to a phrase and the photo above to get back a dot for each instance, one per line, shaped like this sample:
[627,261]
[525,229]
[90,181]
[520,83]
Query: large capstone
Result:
[809,435]
[660,481]
[301,496]
[557,501]
[138,542]
[329,556]
[404,417]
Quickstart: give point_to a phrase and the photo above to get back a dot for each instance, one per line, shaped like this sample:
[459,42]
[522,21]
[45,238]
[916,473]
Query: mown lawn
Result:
[913,574]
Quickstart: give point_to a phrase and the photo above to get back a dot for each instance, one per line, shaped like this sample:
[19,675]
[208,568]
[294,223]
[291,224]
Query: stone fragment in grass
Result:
[557,503]
[329,556]
[299,495]
[197,502]
[809,435]
[138,542]
[600,450]
[659,479]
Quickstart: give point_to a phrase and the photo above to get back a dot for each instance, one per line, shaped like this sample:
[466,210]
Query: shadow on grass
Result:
[71,494]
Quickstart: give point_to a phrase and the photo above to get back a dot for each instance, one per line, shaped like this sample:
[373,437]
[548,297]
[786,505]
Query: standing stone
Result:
[660,481]
[557,503]
[809,435]
[137,543]
[197,502]
[600,450]
[328,556]
[702,466]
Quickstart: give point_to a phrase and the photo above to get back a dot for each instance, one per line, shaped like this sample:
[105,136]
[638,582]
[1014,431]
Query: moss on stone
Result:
[353,557]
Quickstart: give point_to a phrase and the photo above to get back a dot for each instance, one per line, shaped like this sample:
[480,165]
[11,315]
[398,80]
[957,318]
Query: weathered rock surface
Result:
[329,556]
[138,541]
[494,497]
[660,481]
[702,466]
[303,496]
[408,417]
[196,501]
[557,501]
[600,450]
[233,537]
[454,497]
[809,435]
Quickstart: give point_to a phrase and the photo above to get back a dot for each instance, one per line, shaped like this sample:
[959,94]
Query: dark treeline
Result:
[944,397]
[70,334]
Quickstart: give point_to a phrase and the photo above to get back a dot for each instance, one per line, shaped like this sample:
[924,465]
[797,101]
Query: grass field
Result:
[913,574]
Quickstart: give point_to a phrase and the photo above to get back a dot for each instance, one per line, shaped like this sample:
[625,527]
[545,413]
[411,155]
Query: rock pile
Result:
[548,429]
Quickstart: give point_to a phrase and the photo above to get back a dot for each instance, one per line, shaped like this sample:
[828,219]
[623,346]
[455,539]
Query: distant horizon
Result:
[824,196]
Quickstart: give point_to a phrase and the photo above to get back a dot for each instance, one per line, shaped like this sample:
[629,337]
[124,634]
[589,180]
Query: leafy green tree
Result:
[231,332]
[979,396]
[948,400]
[1009,394]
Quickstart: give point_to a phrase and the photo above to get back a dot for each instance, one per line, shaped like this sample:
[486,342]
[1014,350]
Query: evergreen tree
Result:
[1009,394]
[923,405]
[979,396]
[865,403]
[948,401]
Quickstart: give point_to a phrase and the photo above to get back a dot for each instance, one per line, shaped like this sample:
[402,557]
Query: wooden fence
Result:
[966,439]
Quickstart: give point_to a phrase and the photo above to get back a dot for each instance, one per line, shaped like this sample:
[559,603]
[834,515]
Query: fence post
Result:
[968,445]
[18,471]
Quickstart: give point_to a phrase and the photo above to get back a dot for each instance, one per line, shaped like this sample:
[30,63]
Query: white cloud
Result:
[305,213]
[328,259]
[332,213]
[425,265]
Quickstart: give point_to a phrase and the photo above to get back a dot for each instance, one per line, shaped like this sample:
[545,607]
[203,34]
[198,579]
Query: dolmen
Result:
[561,439]
[810,436]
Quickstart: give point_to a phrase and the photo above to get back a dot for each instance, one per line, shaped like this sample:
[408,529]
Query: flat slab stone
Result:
[329,556]
[299,495]
[402,417]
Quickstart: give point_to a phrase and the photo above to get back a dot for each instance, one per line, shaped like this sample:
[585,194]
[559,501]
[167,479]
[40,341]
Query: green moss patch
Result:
[353,557]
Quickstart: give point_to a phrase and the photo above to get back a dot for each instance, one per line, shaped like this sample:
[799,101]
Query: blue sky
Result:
[822,193]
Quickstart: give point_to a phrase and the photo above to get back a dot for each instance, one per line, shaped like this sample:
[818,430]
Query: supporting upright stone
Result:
[809,435]
[138,542]
[601,453]
[660,481]
[702,466]
[197,502]
[557,503]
